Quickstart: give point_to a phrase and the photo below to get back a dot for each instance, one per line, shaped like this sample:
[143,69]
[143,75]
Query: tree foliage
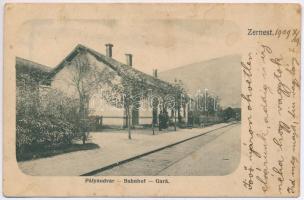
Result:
[228,114]
[87,79]
[43,121]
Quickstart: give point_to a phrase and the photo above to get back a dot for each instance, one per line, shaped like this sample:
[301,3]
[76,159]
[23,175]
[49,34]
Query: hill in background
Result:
[221,76]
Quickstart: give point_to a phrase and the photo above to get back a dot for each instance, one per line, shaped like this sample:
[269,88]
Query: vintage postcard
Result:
[152,100]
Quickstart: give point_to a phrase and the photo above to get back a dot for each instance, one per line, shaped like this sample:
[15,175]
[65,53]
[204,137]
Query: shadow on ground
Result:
[59,150]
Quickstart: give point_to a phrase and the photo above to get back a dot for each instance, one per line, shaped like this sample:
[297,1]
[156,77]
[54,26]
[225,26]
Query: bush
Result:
[45,121]
[35,134]
[228,113]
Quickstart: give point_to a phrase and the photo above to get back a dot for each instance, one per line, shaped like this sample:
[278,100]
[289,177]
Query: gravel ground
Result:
[113,148]
[215,153]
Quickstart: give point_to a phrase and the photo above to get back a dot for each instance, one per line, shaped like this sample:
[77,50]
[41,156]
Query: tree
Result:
[44,121]
[131,87]
[228,113]
[132,90]
[87,79]
[180,100]
[206,106]
[125,82]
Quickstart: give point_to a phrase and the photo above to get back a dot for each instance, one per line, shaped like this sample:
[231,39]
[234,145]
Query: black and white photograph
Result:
[126,101]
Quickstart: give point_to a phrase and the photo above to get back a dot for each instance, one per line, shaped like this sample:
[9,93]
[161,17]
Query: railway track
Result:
[156,161]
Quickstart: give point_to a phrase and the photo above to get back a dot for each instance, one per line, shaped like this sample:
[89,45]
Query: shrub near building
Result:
[45,120]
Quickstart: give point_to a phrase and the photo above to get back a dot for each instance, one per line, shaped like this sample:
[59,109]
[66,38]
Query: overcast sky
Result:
[161,44]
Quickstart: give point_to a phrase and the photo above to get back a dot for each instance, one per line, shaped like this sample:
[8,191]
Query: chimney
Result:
[109,50]
[155,73]
[129,59]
